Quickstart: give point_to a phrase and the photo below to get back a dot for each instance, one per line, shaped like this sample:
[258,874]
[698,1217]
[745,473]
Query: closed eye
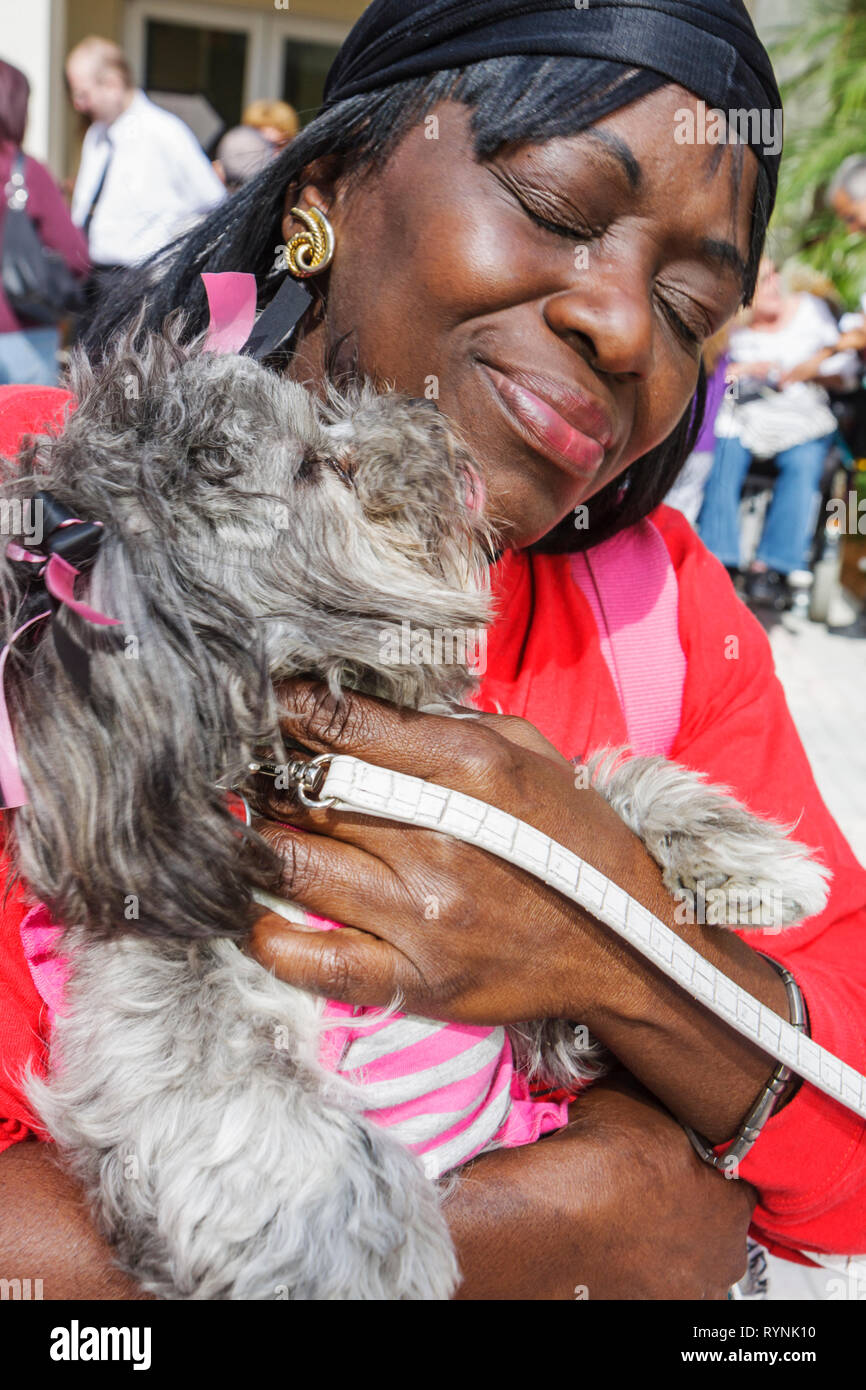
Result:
[693,332]
[534,210]
[558,228]
[343,468]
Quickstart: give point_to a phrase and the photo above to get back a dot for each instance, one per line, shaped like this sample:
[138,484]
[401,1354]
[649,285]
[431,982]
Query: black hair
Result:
[530,98]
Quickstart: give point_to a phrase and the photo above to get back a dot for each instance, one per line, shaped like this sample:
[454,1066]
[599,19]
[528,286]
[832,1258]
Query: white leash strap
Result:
[352,785]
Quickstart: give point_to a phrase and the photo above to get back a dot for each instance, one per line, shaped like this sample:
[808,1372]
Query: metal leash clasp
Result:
[306,778]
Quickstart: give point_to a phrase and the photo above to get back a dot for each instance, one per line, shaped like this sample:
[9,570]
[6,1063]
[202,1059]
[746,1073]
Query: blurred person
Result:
[847,193]
[773,415]
[143,177]
[277,121]
[847,196]
[28,351]
[240,154]
[687,493]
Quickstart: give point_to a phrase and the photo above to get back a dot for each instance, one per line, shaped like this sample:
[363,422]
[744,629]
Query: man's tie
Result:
[99,187]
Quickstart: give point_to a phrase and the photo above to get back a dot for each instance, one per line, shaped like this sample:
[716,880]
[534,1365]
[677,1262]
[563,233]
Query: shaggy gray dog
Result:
[252,533]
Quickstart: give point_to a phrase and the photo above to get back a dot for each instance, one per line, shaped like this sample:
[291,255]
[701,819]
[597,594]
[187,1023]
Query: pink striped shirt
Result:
[448,1091]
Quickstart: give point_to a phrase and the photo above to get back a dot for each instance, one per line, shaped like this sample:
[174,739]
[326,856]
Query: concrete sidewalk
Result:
[824,678]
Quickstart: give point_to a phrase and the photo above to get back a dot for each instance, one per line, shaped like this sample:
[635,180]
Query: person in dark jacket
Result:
[28,351]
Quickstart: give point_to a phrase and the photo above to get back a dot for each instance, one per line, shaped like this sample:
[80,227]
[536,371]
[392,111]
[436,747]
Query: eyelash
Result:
[679,325]
[558,228]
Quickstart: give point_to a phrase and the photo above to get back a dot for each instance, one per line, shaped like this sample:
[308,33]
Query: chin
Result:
[521,519]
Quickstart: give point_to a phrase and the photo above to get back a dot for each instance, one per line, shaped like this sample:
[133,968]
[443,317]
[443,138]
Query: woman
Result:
[28,351]
[774,415]
[459,190]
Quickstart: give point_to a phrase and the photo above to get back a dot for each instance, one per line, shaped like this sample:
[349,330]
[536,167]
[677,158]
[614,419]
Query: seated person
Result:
[775,413]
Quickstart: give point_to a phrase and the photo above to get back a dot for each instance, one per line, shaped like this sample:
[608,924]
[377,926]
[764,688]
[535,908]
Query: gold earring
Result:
[313,250]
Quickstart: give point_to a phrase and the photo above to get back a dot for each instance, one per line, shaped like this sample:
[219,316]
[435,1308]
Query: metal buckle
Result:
[306,778]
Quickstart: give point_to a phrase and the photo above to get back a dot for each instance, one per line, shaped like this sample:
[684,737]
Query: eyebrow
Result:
[724,253]
[621,151]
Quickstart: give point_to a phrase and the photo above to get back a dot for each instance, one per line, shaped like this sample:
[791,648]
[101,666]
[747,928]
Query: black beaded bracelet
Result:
[767,1101]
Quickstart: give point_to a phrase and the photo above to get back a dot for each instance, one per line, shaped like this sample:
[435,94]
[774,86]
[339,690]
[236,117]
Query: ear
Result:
[319,187]
[126,827]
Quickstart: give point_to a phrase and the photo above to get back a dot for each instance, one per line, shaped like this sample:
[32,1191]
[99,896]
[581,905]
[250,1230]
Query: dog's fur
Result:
[252,534]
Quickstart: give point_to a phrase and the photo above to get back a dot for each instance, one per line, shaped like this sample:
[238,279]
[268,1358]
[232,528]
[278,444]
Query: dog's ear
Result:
[126,826]
[415,549]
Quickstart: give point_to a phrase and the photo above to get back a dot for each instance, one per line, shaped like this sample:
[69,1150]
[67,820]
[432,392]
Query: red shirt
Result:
[809,1165]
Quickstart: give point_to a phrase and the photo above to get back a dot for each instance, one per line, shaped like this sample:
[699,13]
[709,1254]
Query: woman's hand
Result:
[456,933]
[616,1206]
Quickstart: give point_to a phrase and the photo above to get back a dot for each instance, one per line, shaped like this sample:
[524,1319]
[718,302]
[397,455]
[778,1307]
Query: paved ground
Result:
[825,683]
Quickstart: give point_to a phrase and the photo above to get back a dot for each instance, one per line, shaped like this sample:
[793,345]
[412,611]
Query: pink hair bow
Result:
[49,585]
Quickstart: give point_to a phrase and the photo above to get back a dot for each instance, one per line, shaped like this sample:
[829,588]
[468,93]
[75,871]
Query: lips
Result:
[562,423]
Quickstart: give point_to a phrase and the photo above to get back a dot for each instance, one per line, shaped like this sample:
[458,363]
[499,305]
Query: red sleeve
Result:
[30,410]
[809,1164]
[21,1017]
[23,410]
[47,208]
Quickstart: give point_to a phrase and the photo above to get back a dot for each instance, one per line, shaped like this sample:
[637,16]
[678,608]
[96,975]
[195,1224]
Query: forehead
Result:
[81,71]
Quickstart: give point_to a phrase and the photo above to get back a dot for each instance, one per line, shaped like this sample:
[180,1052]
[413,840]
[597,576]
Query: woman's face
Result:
[554,298]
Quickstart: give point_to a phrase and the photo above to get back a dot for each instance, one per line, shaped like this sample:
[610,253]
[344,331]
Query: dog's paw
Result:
[724,865]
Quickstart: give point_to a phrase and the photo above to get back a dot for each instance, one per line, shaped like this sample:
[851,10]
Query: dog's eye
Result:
[312,463]
[343,468]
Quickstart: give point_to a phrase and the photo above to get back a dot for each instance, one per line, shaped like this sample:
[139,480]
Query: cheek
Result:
[660,403]
[435,264]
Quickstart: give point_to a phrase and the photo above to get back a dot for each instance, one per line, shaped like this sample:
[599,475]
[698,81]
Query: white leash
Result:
[349,784]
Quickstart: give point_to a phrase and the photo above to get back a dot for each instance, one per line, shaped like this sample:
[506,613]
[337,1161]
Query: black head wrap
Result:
[708,46]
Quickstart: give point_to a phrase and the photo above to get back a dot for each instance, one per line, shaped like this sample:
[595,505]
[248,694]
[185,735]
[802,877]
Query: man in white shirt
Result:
[143,177]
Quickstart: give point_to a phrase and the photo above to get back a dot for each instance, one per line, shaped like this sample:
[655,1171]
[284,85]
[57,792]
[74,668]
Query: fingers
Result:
[462,753]
[333,879]
[345,965]
[367,728]
[477,754]
[523,735]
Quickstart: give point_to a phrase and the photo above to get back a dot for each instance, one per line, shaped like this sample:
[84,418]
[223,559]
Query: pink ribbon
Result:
[231,298]
[59,577]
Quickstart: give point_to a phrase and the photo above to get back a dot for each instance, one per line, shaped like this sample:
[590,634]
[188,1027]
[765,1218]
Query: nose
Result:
[608,315]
